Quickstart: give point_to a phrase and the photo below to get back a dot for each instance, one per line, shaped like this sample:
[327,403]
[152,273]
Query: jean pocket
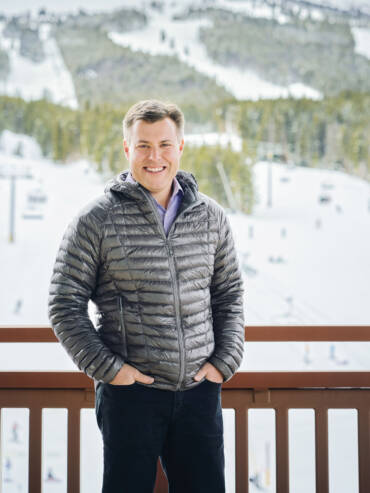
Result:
[212,383]
[121,386]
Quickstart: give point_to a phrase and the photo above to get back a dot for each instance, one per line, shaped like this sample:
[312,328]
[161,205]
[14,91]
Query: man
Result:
[157,258]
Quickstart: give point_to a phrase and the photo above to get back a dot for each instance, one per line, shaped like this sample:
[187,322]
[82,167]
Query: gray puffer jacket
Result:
[165,304]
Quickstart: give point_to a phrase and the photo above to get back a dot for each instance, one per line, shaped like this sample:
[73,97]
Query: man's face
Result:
[154,153]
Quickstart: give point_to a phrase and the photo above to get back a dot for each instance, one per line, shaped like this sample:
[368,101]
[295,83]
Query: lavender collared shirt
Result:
[167,215]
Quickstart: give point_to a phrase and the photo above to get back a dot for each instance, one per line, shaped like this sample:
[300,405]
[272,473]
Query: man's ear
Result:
[126,148]
[182,143]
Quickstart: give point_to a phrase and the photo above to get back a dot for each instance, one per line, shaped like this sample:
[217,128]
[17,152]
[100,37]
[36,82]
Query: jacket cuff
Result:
[112,372]
[221,367]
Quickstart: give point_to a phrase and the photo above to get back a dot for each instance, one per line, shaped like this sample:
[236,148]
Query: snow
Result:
[243,84]
[35,238]
[214,138]
[21,6]
[299,90]
[321,278]
[254,9]
[9,142]
[314,260]
[348,4]
[31,80]
[362,40]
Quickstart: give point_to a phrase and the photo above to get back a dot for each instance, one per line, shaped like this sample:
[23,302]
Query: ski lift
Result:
[276,259]
[32,215]
[327,185]
[32,212]
[37,196]
[324,199]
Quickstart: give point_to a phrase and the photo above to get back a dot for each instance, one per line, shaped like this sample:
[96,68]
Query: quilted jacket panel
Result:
[165,304]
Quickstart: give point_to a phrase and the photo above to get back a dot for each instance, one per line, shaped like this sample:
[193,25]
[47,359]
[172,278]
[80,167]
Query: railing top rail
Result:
[255,333]
[307,333]
[242,380]
[27,334]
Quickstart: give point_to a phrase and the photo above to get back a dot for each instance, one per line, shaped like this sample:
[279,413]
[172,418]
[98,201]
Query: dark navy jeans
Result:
[183,428]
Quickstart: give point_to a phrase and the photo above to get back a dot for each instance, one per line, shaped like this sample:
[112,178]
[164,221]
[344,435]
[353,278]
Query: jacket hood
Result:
[119,184]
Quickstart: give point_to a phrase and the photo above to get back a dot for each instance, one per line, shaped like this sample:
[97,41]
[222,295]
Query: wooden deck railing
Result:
[280,391]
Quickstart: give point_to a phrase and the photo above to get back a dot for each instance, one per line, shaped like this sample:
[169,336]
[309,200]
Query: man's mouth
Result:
[155,170]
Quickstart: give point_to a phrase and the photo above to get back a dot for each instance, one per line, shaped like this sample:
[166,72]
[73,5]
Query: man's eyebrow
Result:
[148,142]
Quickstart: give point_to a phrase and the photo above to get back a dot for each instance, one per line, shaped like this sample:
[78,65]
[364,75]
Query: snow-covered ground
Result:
[254,9]
[362,40]
[33,6]
[31,80]
[304,262]
[214,138]
[314,252]
[348,4]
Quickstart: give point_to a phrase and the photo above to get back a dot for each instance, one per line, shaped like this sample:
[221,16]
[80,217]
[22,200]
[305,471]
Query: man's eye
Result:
[166,145]
[143,146]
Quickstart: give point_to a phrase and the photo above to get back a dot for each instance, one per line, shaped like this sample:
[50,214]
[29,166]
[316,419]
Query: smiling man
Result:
[157,258]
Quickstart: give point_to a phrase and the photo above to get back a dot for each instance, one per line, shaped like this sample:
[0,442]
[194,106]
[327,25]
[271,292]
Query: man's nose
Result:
[155,153]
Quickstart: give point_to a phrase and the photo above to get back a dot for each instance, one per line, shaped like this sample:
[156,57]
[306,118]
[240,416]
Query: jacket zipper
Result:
[174,281]
[123,328]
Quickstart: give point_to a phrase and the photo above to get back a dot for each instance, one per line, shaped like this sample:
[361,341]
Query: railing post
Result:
[73,460]
[282,451]
[1,455]
[364,449]
[161,484]
[321,449]
[241,451]
[35,444]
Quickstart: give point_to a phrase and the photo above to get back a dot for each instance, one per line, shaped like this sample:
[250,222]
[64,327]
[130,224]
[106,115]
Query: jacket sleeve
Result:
[72,284]
[227,304]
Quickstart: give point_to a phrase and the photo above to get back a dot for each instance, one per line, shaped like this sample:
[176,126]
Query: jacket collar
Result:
[135,190]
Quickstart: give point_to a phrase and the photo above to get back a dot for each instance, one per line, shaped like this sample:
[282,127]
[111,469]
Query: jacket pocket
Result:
[123,328]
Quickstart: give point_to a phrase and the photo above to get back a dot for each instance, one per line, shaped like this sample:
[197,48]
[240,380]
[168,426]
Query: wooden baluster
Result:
[241,451]
[73,459]
[321,449]
[364,449]
[282,452]
[34,459]
[161,484]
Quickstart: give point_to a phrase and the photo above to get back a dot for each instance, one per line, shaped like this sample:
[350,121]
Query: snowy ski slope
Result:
[31,81]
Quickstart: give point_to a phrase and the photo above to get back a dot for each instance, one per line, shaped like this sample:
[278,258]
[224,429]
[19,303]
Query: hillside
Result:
[319,54]
[105,72]
[247,49]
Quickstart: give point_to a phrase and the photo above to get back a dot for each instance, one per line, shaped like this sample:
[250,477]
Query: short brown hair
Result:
[152,110]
